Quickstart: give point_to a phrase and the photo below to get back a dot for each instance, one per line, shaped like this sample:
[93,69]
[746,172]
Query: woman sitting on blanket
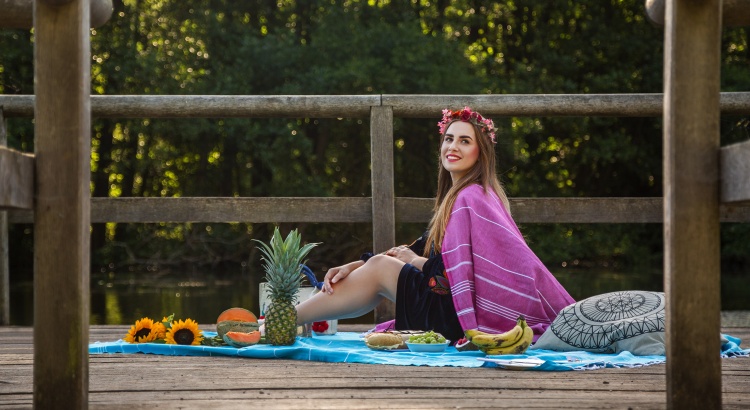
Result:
[471,270]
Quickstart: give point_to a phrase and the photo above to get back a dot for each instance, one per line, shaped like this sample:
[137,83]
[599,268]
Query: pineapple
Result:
[282,261]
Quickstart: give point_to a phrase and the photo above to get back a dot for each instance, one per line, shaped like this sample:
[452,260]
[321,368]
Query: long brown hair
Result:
[482,173]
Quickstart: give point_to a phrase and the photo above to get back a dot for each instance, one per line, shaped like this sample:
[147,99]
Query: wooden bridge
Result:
[127,381]
[703,185]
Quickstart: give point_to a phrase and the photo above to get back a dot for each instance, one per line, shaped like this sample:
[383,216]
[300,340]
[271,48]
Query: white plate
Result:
[385,349]
[515,364]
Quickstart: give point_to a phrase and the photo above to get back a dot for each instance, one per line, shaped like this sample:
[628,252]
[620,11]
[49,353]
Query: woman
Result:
[483,276]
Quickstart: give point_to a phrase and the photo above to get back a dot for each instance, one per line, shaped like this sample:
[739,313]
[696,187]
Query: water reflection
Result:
[123,298]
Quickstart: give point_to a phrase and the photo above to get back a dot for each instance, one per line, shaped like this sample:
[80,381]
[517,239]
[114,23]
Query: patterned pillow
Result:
[630,321]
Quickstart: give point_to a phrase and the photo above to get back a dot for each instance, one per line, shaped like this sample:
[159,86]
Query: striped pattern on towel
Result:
[494,275]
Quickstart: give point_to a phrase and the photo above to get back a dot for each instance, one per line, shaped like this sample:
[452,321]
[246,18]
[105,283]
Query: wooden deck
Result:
[147,381]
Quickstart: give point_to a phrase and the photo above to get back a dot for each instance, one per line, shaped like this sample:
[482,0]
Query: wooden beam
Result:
[692,268]
[248,210]
[20,13]
[4,264]
[383,197]
[358,106]
[212,106]
[17,176]
[735,172]
[574,210]
[621,105]
[555,210]
[734,12]
[62,213]
[359,210]
[605,105]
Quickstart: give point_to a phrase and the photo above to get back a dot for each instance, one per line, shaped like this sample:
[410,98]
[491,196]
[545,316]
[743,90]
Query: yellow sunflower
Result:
[184,333]
[160,330]
[144,331]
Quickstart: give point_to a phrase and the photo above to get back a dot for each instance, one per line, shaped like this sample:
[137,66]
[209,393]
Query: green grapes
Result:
[427,338]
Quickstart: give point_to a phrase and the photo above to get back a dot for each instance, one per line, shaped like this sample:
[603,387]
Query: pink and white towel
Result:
[494,275]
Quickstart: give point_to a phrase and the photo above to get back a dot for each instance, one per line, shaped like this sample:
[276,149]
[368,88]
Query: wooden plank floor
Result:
[148,381]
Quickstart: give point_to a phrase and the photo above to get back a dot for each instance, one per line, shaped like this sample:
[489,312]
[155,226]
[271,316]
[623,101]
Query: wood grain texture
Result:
[355,209]
[358,106]
[249,210]
[127,381]
[20,13]
[692,270]
[735,172]
[734,12]
[4,262]
[383,197]
[17,176]
[62,132]
[615,105]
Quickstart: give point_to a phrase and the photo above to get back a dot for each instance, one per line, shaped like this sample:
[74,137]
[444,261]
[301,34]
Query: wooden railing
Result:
[383,210]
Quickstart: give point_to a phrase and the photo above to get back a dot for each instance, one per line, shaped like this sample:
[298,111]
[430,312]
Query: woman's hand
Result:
[402,253]
[338,273]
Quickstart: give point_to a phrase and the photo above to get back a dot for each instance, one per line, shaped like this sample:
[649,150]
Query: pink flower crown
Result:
[466,115]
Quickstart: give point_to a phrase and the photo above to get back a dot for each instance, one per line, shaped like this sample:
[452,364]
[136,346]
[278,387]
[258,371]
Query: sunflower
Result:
[160,330]
[144,331]
[184,333]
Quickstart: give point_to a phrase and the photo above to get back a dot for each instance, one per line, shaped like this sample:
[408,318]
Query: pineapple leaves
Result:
[282,260]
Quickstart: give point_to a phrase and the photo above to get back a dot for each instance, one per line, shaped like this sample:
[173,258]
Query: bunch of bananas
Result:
[514,341]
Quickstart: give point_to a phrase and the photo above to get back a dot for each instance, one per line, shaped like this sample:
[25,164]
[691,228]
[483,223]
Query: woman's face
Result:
[460,150]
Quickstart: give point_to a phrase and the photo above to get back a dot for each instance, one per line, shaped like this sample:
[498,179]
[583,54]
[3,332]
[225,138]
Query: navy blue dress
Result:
[423,298]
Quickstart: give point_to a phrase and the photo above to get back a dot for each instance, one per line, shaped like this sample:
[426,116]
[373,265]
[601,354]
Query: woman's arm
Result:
[406,255]
[338,273]
[418,262]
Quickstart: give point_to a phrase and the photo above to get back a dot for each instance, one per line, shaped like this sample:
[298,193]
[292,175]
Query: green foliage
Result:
[256,47]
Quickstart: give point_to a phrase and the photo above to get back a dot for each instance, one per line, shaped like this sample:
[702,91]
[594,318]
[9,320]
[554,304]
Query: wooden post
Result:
[20,13]
[691,203]
[4,267]
[383,197]
[62,113]
[734,12]
[735,172]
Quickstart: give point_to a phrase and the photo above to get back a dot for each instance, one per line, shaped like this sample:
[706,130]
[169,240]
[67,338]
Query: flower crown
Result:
[466,115]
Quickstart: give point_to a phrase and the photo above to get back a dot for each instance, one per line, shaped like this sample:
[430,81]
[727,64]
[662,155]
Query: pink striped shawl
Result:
[494,275]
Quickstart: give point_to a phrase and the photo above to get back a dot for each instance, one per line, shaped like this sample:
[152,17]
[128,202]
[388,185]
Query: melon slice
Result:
[241,339]
[238,314]
[236,319]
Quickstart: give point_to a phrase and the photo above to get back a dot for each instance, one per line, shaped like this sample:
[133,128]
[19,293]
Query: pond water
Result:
[123,298]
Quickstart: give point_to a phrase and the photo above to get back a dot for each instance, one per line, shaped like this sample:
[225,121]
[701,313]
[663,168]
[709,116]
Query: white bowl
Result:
[427,347]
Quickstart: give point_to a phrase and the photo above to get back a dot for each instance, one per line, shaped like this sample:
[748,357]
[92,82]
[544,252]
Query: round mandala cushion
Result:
[613,322]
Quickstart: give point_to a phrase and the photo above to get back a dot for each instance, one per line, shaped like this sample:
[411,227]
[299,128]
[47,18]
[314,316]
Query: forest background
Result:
[210,47]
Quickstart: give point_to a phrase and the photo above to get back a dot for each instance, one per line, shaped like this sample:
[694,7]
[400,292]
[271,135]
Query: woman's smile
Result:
[460,150]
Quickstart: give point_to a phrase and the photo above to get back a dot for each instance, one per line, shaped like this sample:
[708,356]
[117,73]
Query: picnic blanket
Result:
[349,347]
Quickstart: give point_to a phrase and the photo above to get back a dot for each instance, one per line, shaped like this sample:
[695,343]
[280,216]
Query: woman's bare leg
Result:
[355,295]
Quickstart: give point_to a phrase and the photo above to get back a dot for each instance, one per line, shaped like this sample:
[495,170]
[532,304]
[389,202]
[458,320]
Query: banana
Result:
[470,334]
[505,339]
[517,348]
[487,340]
